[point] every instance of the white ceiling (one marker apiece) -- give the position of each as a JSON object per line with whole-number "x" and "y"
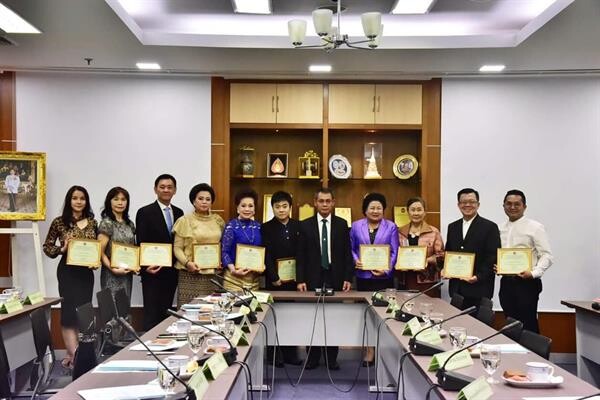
{"x": 77, "y": 29}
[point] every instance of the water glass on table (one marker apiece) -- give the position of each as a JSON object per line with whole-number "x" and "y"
{"x": 195, "y": 338}
{"x": 216, "y": 318}
{"x": 490, "y": 358}
{"x": 436, "y": 318}
{"x": 390, "y": 296}
{"x": 165, "y": 378}
{"x": 227, "y": 328}
{"x": 409, "y": 304}
{"x": 425, "y": 311}
{"x": 457, "y": 335}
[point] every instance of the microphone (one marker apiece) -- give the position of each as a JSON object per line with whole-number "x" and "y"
{"x": 454, "y": 381}
{"x": 250, "y": 292}
{"x": 190, "y": 394}
{"x": 406, "y": 316}
{"x": 251, "y": 314}
{"x": 426, "y": 349}
{"x": 230, "y": 356}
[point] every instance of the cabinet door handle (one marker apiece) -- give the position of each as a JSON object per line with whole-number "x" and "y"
{"x": 277, "y": 104}
{"x": 272, "y": 103}
{"x": 373, "y": 103}
{"x": 378, "y": 103}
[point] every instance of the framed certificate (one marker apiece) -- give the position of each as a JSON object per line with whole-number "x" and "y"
{"x": 375, "y": 256}
{"x": 160, "y": 254}
{"x": 512, "y": 261}
{"x": 286, "y": 269}
{"x": 207, "y": 256}
{"x": 458, "y": 265}
{"x": 412, "y": 258}
{"x": 250, "y": 257}
{"x": 125, "y": 256}
{"x": 84, "y": 253}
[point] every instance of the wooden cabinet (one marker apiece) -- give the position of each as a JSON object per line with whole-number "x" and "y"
{"x": 375, "y": 104}
{"x": 276, "y": 103}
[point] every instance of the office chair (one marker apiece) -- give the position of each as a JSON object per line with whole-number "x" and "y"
{"x": 537, "y": 343}
{"x": 513, "y": 333}
{"x": 85, "y": 357}
{"x": 457, "y": 301}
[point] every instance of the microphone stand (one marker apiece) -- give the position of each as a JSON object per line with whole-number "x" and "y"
{"x": 190, "y": 394}
{"x": 230, "y": 356}
{"x": 406, "y": 316}
{"x": 251, "y": 314}
{"x": 454, "y": 381}
{"x": 248, "y": 291}
{"x": 427, "y": 349}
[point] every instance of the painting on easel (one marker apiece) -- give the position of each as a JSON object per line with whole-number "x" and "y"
{"x": 22, "y": 186}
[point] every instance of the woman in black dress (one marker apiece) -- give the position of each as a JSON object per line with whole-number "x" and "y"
{"x": 75, "y": 284}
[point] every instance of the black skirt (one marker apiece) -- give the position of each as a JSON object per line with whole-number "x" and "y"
{"x": 76, "y": 287}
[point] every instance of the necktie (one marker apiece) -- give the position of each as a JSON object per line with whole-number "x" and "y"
{"x": 324, "y": 246}
{"x": 169, "y": 220}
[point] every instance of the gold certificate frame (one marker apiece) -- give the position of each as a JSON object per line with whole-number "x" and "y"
{"x": 513, "y": 261}
{"x": 411, "y": 258}
{"x": 250, "y": 257}
{"x": 207, "y": 256}
{"x": 84, "y": 253}
{"x": 286, "y": 269}
{"x": 458, "y": 265}
{"x": 160, "y": 254}
{"x": 125, "y": 256}
{"x": 375, "y": 256}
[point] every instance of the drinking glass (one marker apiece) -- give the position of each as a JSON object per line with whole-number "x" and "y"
{"x": 217, "y": 318}
{"x": 490, "y": 358}
{"x": 436, "y": 318}
{"x": 410, "y": 304}
{"x": 225, "y": 302}
{"x": 195, "y": 338}
{"x": 165, "y": 379}
{"x": 425, "y": 310}
{"x": 390, "y": 295}
{"x": 458, "y": 335}
{"x": 228, "y": 328}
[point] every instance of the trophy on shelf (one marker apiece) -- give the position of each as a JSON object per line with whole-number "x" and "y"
{"x": 247, "y": 161}
{"x": 277, "y": 165}
{"x": 372, "y": 160}
{"x": 308, "y": 165}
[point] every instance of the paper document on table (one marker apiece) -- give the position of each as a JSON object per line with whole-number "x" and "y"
{"x": 127, "y": 366}
{"x": 560, "y": 398}
{"x": 512, "y": 348}
{"x": 156, "y": 347}
{"x": 123, "y": 392}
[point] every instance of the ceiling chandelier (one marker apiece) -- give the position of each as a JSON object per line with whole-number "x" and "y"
{"x": 331, "y": 36}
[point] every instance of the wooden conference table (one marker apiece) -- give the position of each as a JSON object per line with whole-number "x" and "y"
{"x": 344, "y": 314}
{"x": 587, "y": 331}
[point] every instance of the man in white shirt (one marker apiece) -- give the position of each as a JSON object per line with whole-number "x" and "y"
{"x": 519, "y": 294}
{"x": 12, "y": 183}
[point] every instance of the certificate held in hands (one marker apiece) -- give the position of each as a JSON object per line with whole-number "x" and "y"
{"x": 286, "y": 269}
{"x": 125, "y": 256}
{"x": 412, "y": 258}
{"x": 458, "y": 265}
{"x": 160, "y": 254}
{"x": 84, "y": 253}
{"x": 375, "y": 256}
{"x": 207, "y": 256}
{"x": 250, "y": 257}
{"x": 513, "y": 261}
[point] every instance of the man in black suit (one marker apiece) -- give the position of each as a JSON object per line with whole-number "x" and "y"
{"x": 154, "y": 224}
{"x": 324, "y": 260}
{"x": 474, "y": 234}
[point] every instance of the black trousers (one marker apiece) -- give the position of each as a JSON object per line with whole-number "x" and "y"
{"x": 12, "y": 201}
{"x": 519, "y": 299}
{"x": 158, "y": 291}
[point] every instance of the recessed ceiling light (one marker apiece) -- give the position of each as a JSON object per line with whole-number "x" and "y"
{"x": 252, "y": 6}
{"x": 10, "y": 22}
{"x": 492, "y": 68}
{"x": 412, "y": 6}
{"x": 148, "y": 65}
{"x": 319, "y": 68}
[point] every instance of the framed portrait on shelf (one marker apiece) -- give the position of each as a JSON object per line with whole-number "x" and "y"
{"x": 277, "y": 165}
{"x": 23, "y": 184}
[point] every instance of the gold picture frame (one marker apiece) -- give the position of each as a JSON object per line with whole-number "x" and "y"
{"x": 22, "y": 198}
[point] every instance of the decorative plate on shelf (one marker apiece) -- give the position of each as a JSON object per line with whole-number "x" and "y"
{"x": 340, "y": 167}
{"x": 405, "y": 166}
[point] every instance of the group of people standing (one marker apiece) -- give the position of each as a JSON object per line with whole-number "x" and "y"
{"x": 326, "y": 252}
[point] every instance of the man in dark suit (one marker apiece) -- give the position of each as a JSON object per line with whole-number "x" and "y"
{"x": 474, "y": 234}
{"x": 324, "y": 260}
{"x": 154, "y": 224}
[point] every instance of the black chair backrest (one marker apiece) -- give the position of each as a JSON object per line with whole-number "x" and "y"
{"x": 85, "y": 358}
{"x": 457, "y": 301}
{"x": 487, "y": 303}
{"x": 513, "y": 333}
{"x": 4, "y": 372}
{"x": 106, "y": 307}
{"x": 485, "y": 315}
{"x": 41, "y": 333}
{"x": 122, "y": 303}
{"x": 86, "y": 319}
{"x": 537, "y": 343}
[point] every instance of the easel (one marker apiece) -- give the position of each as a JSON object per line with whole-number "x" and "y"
{"x": 35, "y": 232}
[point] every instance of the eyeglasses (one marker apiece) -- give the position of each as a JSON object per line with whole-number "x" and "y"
{"x": 468, "y": 202}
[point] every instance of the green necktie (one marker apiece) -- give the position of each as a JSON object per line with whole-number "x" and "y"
{"x": 324, "y": 246}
